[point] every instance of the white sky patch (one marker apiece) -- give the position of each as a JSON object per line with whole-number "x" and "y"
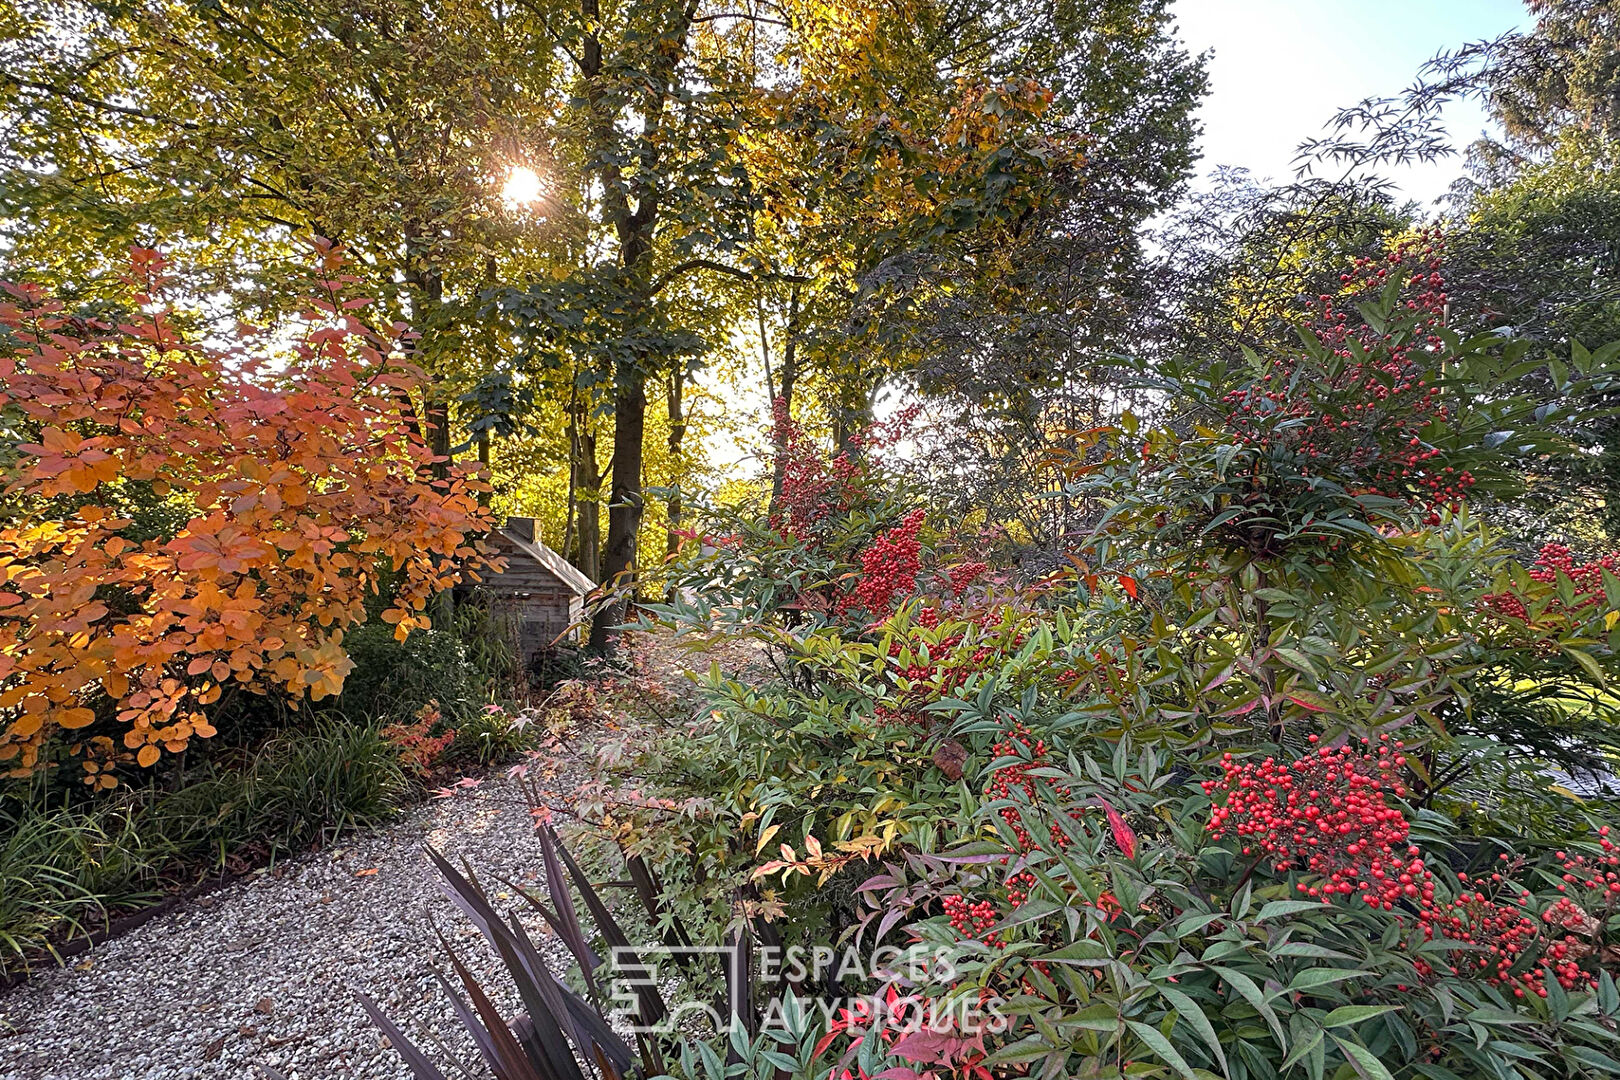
{"x": 1282, "y": 68}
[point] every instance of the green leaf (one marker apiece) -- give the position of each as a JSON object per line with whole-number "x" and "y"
{"x": 1161, "y": 1046}
{"x": 1190, "y": 1012}
{"x": 1363, "y": 1060}
{"x": 1586, "y": 662}
{"x": 1311, "y": 978}
{"x": 1247, "y": 989}
{"x": 1355, "y": 1014}
{"x": 1277, "y": 908}
{"x": 1592, "y": 1058}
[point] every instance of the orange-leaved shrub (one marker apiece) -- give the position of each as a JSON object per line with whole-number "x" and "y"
{"x": 303, "y": 481}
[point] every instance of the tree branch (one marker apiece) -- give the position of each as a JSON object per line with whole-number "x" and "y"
{"x": 96, "y": 103}
{"x": 738, "y": 15}
{"x": 720, "y": 268}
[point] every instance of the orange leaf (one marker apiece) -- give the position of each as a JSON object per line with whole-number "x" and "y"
{"x": 147, "y": 755}
{"x": 76, "y": 718}
{"x": 27, "y": 725}
{"x": 1128, "y": 583}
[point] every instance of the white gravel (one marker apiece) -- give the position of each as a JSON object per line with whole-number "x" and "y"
{"x": 263, "y": 972}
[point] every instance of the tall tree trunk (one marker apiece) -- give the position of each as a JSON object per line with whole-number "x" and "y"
{"x": 790, "y": 376}
{"x": 624, "y": 502}
{"x": 677, "y": 434}
{"x": 586, "y": 481}
{"x": 635, "y": 228}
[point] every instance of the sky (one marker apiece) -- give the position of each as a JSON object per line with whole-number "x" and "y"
{"x": 1281, "y": 68}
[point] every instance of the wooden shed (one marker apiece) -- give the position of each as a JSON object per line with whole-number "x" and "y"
{"x": 539, "y": 590}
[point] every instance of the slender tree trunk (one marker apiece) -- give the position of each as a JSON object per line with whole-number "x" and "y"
{"x": 587, "y": 485}
{"x": 677, "y": 434}
{"x": 624, "y": 503}
{"x": 790, "y": 376}
{"x": 483, "y": 460}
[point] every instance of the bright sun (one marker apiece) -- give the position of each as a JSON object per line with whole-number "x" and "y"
{"x": 523, "y": 187}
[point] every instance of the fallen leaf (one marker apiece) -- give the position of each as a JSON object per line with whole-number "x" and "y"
{"x": 949, "y": 757}
{"x": 265, "y": 1006}
{"x": 366, "y": 873}
{"x": 212, "y": 1050}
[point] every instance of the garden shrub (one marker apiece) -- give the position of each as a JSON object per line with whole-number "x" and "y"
{"x": 395, "y": 680}
{"x": 494, "y": 734}
{"x": 304, "y": 480}
{"x": 304, "y": 787}
{"x": 1255, "y": 783}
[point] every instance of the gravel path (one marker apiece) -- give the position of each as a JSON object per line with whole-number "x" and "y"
{"x": 263, "y": 972}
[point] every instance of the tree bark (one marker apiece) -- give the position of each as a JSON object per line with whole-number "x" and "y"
{"x": 677, "y": 435}
{"x": 624, "y": 504}
{"x": 790, "y": 376}
{"x": 585, "y": 486}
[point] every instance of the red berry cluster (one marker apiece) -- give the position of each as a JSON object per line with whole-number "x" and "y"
{"x": 1502, "y": 931}
{"x": 1367, "y": 417}
{"x": 1556, "y": 561}
{"x": 1326, "y": 814}
{"x": 889, "y": 567}
{"x": 814, "y": 489}
{"x": 950, "y": 663}
{"x": 1017, "y": 742}
{"x": 817, "y": 490}
{"x": 963, "y": 575}
{"x": 972, "y": 918}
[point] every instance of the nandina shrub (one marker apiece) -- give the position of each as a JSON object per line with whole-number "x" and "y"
{"x": 300, "y": 484}
{"x": 1355, "y": 406}
{"x": 1572, "y": 592}
{"x": 1155, "y": 939}
{"x": 1383, "y": 418}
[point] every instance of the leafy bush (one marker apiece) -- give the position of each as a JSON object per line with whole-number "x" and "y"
{"x": 494, "y": 734}
{"x": 395, "y": 680}
{"x": 342, "y": 487}
{"x": 307, "y": 786}
{"x": 1115, "y": 917}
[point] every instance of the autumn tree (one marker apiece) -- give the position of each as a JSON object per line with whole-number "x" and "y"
{"x": 821, "y": 170}
{"x": 298, "y": 484}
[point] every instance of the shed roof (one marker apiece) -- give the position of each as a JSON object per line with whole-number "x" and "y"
{"x": 560, "y": 567}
